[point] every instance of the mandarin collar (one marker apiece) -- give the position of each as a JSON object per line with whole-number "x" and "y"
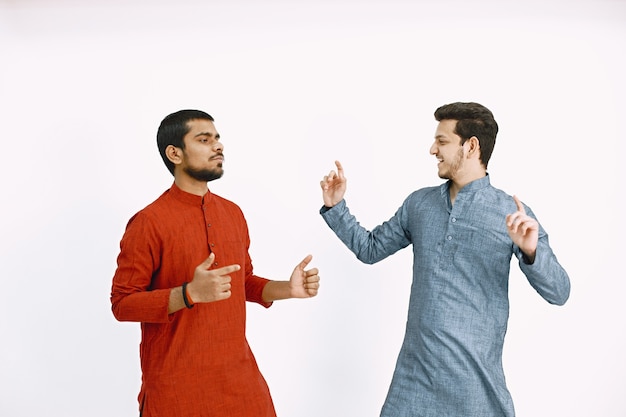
{"x": 188, "y": 198}
{"x": 472, "y": 187}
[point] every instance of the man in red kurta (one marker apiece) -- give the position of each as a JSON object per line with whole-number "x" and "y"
{"x": 184, "y": 272}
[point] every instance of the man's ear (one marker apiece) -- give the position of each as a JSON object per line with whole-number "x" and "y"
{"x": 174, "y": 154}
{"x": 473, "y": 147}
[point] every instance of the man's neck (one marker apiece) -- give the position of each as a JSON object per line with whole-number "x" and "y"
{"x": 191, "y": 186}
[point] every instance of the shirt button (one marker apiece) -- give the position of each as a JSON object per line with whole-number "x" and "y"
{"x": 208, "y": 225}
{"x": 454, "y": 220}
{"x": 449, "y": 237}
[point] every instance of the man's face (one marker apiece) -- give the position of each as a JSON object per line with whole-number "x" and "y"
{"x": 203, "y": 154}
{"x": 448, "y": 150}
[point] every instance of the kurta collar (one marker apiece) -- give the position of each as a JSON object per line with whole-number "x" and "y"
{"x": 472, "y": 187}
{"x": 189, "y": 198}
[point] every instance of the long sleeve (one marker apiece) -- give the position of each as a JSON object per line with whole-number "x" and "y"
{"x": 254, "y": 284}
{"x": 139, "y": 257}
{"x": 368, "y": 246}
{"x": 545, "y": 274}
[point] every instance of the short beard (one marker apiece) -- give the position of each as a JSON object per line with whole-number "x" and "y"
{"x": 205, "y": 174}
{"x": 454, "y": 167}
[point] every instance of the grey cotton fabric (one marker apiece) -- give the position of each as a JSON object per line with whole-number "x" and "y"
{"x": 450, "y": 363}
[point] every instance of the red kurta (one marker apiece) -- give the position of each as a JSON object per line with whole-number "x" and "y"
{"x": 195, "y": 362}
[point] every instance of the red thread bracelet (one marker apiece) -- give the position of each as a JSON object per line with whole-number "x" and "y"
{"x": 186, "y": 298}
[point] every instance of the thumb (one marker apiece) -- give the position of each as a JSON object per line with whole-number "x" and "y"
{"x": 305, "y": 262}
{"x": 208, "y": 262}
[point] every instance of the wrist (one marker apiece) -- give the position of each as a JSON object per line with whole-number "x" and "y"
{"x": 528, "y": 259}
{"x": 186, "y": 297}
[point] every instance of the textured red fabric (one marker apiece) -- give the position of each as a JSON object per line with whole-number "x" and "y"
{"x": 195, "y": 362}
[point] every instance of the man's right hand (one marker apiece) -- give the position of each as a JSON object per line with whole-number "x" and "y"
{"x": 334, "y": 186}
{"x": 210, "y": 285}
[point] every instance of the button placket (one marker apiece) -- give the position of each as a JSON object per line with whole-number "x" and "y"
{"x": 211, "y": 245}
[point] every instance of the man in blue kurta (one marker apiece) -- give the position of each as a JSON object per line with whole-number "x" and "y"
{"x": 463, "y": 233}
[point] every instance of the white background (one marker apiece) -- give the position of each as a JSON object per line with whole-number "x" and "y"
{"x": 294, "y": 86}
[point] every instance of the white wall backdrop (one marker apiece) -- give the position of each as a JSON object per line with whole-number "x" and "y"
{"x": 293, "y": 86}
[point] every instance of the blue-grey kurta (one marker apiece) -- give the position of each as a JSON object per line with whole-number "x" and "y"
{"x": 450, "y": 363}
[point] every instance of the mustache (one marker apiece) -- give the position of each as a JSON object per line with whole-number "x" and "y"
{"x": 218, "y": 155}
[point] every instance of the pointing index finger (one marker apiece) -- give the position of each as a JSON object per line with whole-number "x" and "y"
{"x": 518, "y": 203}
{"x": 225, "y": 270}
{"x": 339, "y": 168}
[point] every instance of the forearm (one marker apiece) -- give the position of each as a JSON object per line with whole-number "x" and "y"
{"x": 176, "y": 300}
{"x": 143, "y": 306}
{"x": 276, "y": 290}
{"x": 547, "y": 276}
{"x": 368, "y": 246}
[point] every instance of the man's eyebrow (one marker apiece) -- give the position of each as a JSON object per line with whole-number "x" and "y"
{"x": 217, "y": 136}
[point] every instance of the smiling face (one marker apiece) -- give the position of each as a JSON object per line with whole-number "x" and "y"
{"x": 459, "y": 163}
{"x": 448, "y": 150}
{"x": 202, "y": 157}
